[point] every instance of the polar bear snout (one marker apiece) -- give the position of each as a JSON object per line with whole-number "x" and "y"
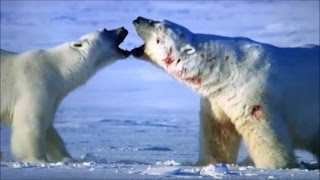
{"x": 142, "y": 20}
{"x": 138, "y": 20}
{"x": 119, "y": 33}
{"x": 104, "y": 30}
{"x": 122, "y": 34}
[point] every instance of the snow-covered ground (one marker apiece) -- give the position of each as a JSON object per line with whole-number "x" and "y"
{"x": 131, "y": 120}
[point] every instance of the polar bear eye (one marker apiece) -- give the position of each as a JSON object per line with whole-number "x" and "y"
{"x": 158, "y": 40}
{"x": 77, "y": 45}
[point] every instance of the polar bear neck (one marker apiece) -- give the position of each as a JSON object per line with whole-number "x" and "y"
{"x": 228, "y": 63}
{"x": 72, "y": 65}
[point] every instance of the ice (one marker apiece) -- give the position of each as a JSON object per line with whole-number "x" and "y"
{"x": 42, "y": 165}
{"x": 89, "y": 164}
{"x": 91, "y": 169}
{"x": 169, "y": 163}
{"x": 272, "y": 177}
{"x": 20, "y": 165}
{"x": 57, "y": 164}
{"x": 250, "y": 174}
{"x": 163, "y": 171}
{"x": 215, "y": 170}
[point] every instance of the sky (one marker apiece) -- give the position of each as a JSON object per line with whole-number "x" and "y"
{"x": 133, "y": 86}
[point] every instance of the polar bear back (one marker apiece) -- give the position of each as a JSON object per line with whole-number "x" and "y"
{"x": 7, "y": 87}
{"x": 293, "y": 89}
{"x": 11, "y": 70}
{"x": 23, "y": 73}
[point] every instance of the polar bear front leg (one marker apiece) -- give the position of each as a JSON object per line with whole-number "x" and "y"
{"x": 28, "y": 131}
{"x": 268, "y": 142}
{"x": 219, "y": 140}
{"x": 56, "y": 150}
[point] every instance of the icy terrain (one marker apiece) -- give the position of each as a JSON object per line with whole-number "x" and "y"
{"x": 132, "y": 120}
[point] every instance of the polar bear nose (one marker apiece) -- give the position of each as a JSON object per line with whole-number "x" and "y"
{"x": 122, "y": 33}
{"x": 103, "y": 30}
{"x": 137, "y": 21}
{"x": 143, "y": 20}
{"x": 120, "y": 30}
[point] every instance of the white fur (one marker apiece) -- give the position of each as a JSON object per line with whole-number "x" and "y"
{"x": 34, "y": 83}
{"x": 267, "y": 95}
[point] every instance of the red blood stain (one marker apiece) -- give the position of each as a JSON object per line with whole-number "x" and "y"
{"x": 257, "y": 111}
{"x": 168, "y": 60}
{"x": 196, "y": 80}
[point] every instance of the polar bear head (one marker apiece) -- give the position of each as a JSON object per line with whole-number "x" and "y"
{"x": 171, "y": 47}
{"x": 100, "y": 48}
{"x": 79, "y": 60}
{"x": 161, "y": 38}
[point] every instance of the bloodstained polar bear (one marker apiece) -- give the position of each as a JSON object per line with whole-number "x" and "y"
{"x": 267, "y": 95}
{"x": 34, "y": 83}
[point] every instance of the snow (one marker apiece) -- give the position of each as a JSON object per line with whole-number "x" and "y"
{"x": 217, "y": 171}
{"x": 131, "y": 120}
{"x": 169, "y": 163}
{"x": 160, "y": 171}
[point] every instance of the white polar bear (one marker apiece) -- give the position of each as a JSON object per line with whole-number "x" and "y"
{"x": 267, "y": 95}
{"x": 34, "y": 83}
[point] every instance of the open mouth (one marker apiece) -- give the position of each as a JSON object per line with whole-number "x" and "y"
{"x": 140, "y": 21}
{"x": 122, "y": 35}
{"x": 138, "y": 51}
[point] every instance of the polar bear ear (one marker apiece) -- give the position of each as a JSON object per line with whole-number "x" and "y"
{"x": 188, "y": 49}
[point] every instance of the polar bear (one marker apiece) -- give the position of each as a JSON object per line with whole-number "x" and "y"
{"x": 266, "y": 95}
{"x": 33, "y": 84}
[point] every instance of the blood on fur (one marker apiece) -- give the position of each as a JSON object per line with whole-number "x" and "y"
{"x": 256, "y": 112}
{"x": 168, "y": 60}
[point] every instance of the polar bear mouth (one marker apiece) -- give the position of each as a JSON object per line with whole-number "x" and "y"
{"x": 122, "y": 35}
{"x": 125, "y": 53}
{"x": 138, "y": 51}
